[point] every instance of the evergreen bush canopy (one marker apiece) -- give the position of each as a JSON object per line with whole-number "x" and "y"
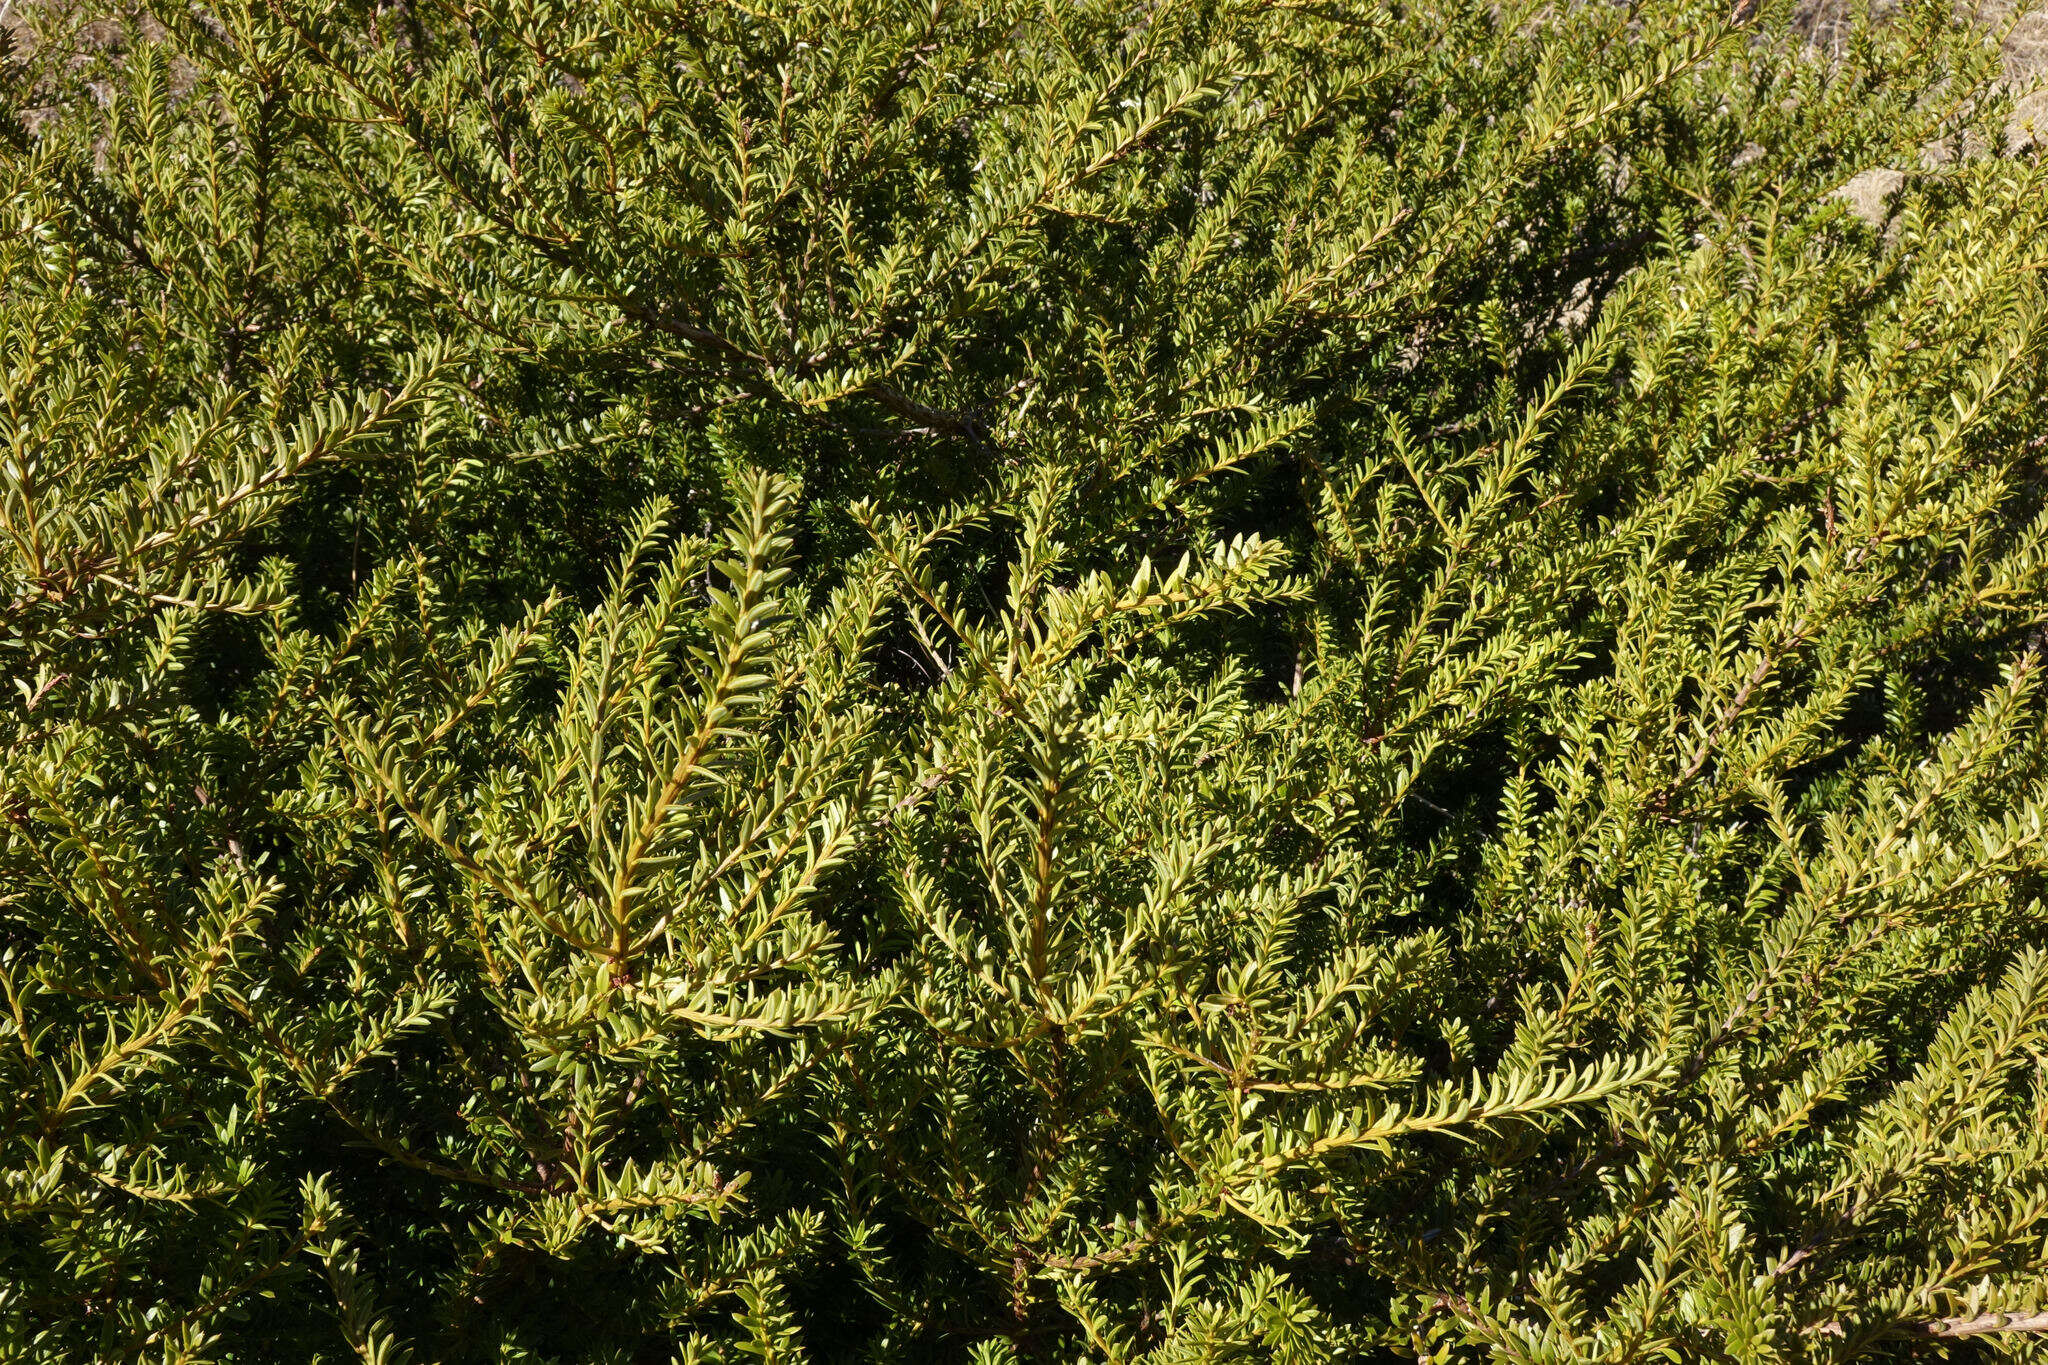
{"x": 1021, "y": 681}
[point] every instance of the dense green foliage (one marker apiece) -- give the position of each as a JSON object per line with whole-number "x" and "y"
{"x": 1019, "y": 681}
